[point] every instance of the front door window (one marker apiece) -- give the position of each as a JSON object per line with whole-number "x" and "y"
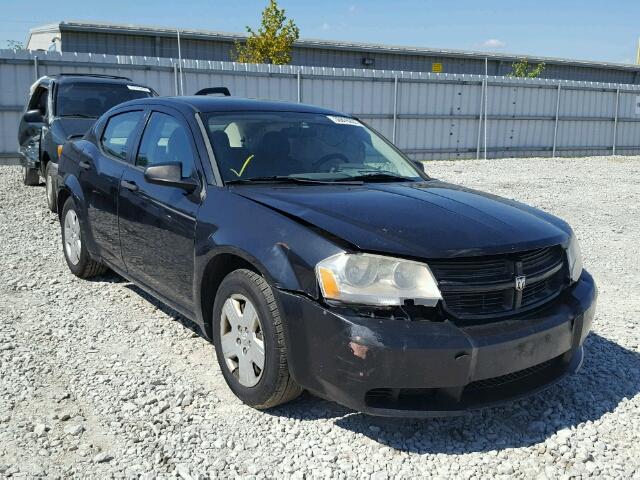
{"x": 165, "y": 140}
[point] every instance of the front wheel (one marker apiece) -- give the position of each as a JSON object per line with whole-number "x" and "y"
{"x": 50, "y": 183}
{"x": 30, "y": 176}
{"x": 249, "y": 341}
{"x": 75, "y": 250}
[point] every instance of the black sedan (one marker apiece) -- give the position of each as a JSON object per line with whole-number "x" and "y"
{"x": 314, "y": 255}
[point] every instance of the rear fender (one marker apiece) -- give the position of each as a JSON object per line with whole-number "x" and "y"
{"x": 69, "y": 186}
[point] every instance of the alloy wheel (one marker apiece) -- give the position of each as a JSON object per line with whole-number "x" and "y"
{"x": 72, "y": 241}
{"x": 242, "y": 340}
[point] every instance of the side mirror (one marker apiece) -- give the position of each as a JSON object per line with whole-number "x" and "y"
{"x": 33, "y": 116}
{"x": 169, "y": 174}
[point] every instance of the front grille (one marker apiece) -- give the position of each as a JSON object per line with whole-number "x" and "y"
{"x": 479, "y": 287}
{"x": 541, "y": 290}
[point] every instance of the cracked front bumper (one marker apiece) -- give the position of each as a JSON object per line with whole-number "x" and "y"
{"x": 423, "y": 368}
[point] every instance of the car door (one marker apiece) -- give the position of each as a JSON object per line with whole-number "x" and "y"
{"x": 99, "y": 173}
{"x": 29, "y": 134}
{"x": 157, "y": 222}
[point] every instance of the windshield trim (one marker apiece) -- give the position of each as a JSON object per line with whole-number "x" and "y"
{"x": 421, "y": 173}
{"x": 217, "y": 177}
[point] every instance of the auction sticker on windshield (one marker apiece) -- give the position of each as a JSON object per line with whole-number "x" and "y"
{"x": 344, "y": 120}
{"x": 138, "y": 89}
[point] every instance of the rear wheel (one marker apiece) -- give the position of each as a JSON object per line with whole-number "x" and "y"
{"x": 249, "y": 341}
{"x": 50, "y": 183}
{"x": 30, "y": 176}
{"x": 75, "y": 250}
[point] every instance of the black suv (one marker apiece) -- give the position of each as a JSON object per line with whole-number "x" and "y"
{"x": 315, "y": 255}
{"x": 63, "y": 106}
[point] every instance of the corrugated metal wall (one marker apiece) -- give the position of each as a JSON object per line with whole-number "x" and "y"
{"x": 220, "y": 49}
{"x": 429, "y": 116}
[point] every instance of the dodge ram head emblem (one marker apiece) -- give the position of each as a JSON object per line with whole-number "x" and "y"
{"x": 521, "y": 281}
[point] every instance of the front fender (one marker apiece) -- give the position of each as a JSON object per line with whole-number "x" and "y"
{"x": 285, "y": 273}
{"x": 51, "y": 138}
{"x": 282, "y": 249}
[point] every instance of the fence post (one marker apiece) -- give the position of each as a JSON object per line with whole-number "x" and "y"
{"x": 555, "y": 127}
{"x": 35, "y": 67}
{"x": 486, "y": 102}
{"x": 175, "y": 78}
{"x": 395, "y": 108}
{"x": 486, "y": 107}
{"x": 480, "y": 118}
{"x": 615, "y": 121}
{"x": 180, "y": 62}
{"x": 299, "y": 84}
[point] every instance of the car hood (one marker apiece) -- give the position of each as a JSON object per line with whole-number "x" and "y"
{"x": 429, "y": 219}
{"x": 66, "y": 126}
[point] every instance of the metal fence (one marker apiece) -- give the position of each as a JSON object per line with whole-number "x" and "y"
{"x": 429, "y": 116}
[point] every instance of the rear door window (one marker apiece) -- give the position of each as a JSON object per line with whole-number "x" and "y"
{"x": 119, "y": 132}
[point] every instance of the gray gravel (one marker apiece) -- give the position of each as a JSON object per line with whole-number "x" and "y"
{"x": 99, "y": 380}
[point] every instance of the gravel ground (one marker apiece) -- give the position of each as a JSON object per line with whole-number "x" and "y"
{"x": 99, "y": 380}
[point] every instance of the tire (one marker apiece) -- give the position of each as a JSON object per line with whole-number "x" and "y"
{"x": 75, "y": 251}
{"x": 260, "y": 388}
{"x": 30, "y": 176}
{"x": 51, "y": 188}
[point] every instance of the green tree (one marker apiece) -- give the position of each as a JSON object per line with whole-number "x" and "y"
{"x": 15, "y": 45}
{"x": 522, "y": 69}
{"x": 272, "y": 42}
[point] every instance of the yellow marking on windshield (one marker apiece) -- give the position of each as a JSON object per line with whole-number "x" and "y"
{"x": 244, "y": 165}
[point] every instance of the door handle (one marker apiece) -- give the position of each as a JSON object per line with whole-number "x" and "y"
{"x": 129, "y": 185}
{"x": 84, "y": 165}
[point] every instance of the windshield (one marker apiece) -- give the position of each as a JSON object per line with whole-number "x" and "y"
{"x": 93, "y": 99}
{"x": 277, "y": 145}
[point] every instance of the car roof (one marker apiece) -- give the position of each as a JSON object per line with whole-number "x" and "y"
{"x": 206, "y": 104}
{"x": 71, "y": 78}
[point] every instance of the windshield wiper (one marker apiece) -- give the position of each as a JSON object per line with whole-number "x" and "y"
{"x": 287, "y": 179}
{"x": 381, "y": 177}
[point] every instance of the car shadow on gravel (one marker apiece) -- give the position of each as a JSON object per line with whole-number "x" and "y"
{"x": 610, "y": 375}
{"x": 170, "y": 312}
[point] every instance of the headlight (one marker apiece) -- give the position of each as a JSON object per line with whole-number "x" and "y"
{"x": 376, "y": 280}
{"x": 574, "y": 256}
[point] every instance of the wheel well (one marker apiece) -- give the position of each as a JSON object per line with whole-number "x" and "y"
{"x": 62, "y": 198}
{"x": 43, "y": 163}
{"x": 218, "y": 268}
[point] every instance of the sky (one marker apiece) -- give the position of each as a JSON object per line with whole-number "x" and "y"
{"x": 587, "y": 29}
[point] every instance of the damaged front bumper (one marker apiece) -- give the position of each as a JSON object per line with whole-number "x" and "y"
{"x": 424, "y": 368}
